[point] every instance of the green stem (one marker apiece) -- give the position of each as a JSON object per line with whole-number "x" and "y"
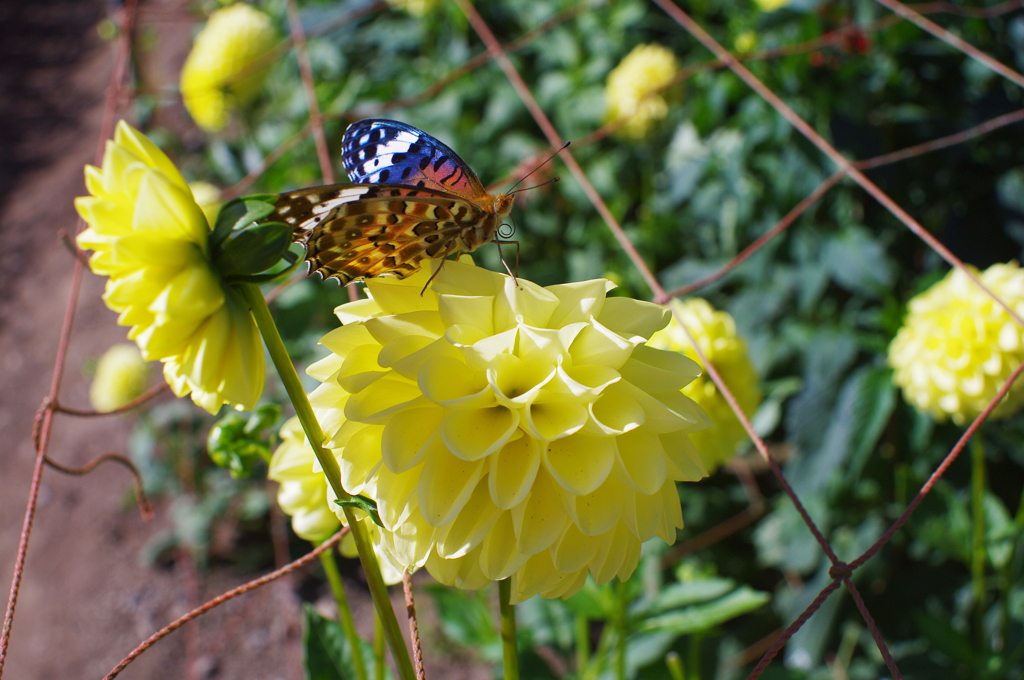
{"x": 378, "y": 648}
{"x": 1008, "y": 573}
{"x": 620, "y": 630}
{"x": 355, "y": 643}
{"x": 315, "y": 436}
{"x": 582, "y": 643}
{"x": 978, "y": 549}
{"x": 675, "y": 666}
{"x": 510, "y": 652}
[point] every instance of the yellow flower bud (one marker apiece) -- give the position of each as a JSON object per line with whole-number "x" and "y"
{"x": 152, "y": 240}
{"x": 631, "y": 86}
{"x": 509, "y": 430}
{"x": 715, "y": 332}
{"x": 745, "y": 41}
{"x": 957, "y": 346}
{"x": 221, "y": 72}
{"x": 120, "y": 377}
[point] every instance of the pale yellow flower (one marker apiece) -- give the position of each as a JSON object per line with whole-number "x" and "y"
{"x": 745, "y": 41}
{"x": 152, "y": 240}
{"x": 208, "y": 197}
{"x": 414, "y": 7}
{"x": 771, "y": 5}
{"x": 302, "y": 493}
{"x": 715, "y": 332}
{"x": 631, "y": 86}
{"x": 305, "y": 496}
{"x": 509, "y": 430}
{"x": 221, "y": 72}
{"x": 120, "y": 377}
{"x": 957, "y": 346}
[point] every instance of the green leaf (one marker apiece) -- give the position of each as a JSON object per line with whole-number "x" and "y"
{"x": 326, "y": 652}
{"x": 239, "y": 213}
{"x": 254, "y": 249}
{"x": 367, "y": 505}
{"x": 688, "y": 593}
{"x": 466, "y": 619}
{"x": 945, "y": 639}
{"x": 702, "y": 617}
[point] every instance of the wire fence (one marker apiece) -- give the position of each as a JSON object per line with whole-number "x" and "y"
{"x": 118, "y": 95}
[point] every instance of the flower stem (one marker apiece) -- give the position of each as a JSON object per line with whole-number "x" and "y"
{"x": 620, "y": 630}
{"x": 355, "y": 643}
{"x": 509, "y": 650}
{"x": 582, "y": 643}
{"x": 978, "y": 550}
{"x": 315, "y": 436}
{"x": 378, "y": 648}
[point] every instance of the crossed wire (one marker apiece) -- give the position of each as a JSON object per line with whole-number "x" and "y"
{"x": 840, "y": 572}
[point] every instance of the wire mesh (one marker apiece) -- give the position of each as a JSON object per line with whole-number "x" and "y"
{"x": 840, "y": 572}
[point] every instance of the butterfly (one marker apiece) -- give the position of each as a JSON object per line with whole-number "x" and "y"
{"x": 412, "y": 198}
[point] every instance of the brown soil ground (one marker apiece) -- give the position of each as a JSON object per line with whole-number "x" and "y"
{"x": 87, "y": 598}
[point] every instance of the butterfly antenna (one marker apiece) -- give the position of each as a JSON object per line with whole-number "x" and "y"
{"x": 537, "y": 186}
{"x": 512, "y": 190}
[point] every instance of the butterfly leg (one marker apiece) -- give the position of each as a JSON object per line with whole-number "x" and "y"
{"x": 444, "y": 258}
{"x": 498, "y": 243}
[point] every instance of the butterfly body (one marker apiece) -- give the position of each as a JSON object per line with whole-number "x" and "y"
{"x": 413, "y": 199}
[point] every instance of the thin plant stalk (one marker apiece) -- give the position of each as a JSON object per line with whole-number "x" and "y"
{"x": 348, "y": 624}
{"x": 1008, "y": 573}
{"x": 620, "y": 630}
{"x": 510, "y": 652}
{"x": 978, "y": 484}
{"x": 582, "y": 643}
{"x": 378, "y": 648}
{"x": 315, "y": 436}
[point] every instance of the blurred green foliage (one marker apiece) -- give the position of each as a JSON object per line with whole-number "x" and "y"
{"x": 817, "y": 306}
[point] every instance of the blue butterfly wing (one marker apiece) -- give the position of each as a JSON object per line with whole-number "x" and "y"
{"x": 381, "y": 151}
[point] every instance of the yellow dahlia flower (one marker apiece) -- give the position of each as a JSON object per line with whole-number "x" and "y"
{"x": 152, "y": 240}
{"x": 416, "y": 8}
{"x": 509, "y": 430}
{"x": 305, "y": 496}
{"x": 715, "y": 332}
{"x": 219, "y": 73}
{"x": 302, "y": 493}
{"x": 120, "y": 377}
{"x": 957, "y": 346}
{"x": 631, "y": 84}
{"x": 771, "y": 5}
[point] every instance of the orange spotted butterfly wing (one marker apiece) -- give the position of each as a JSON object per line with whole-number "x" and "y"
{"x": 414, "y": 198}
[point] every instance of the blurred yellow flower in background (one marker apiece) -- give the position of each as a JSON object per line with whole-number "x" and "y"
{"x": 221, "y": 72}
{"x": 305, "y": 496}
{"x": 152, "y": 240}
{"x": 958, "y": 346}
{"x": 509, "y": 430}
{"x": 120, "y": 377}
{"x": 302, "y": 493}
{"x": 417, "y": 8}
{"x": 631, "y": 86}
{"x": 715, "y": 332}
{"x": 208, "y": 198}
{"x": 771, "y": 5}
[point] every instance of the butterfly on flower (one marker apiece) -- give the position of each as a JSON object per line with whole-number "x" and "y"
{"x": 413, "y": 199}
